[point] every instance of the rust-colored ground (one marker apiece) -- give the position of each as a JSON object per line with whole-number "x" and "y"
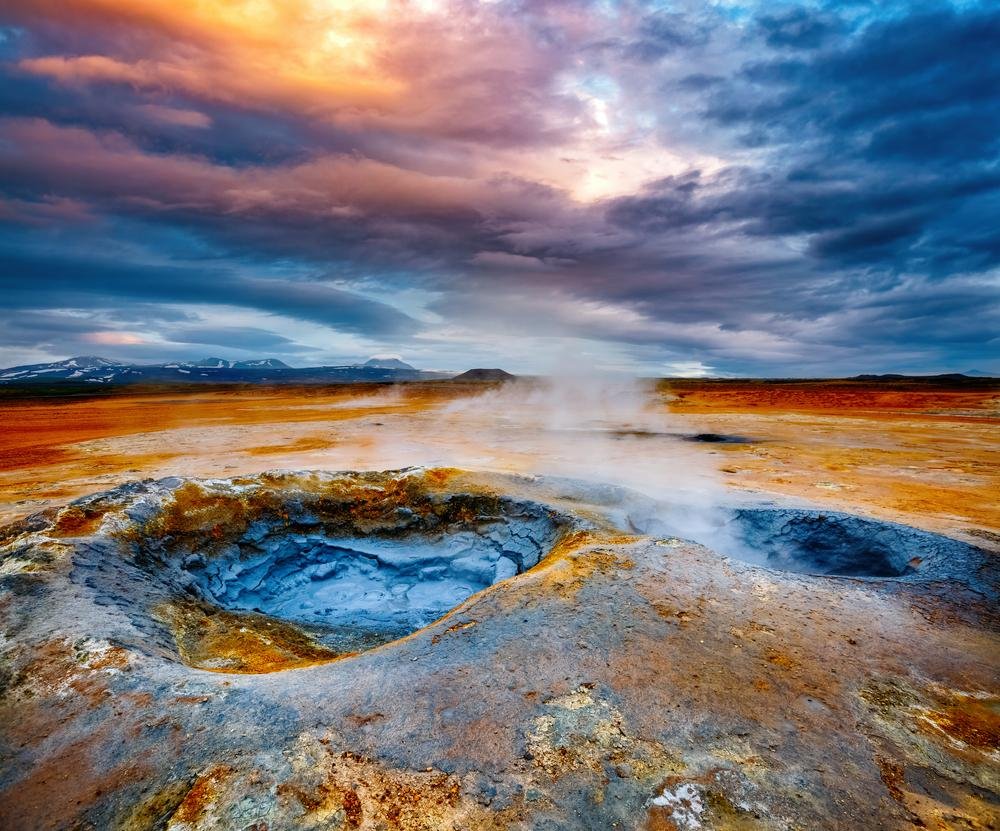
{"x": 924, "y": 454}
{"x": 927, "y": 456}
{"x": 52, "y": 451}
{"x": 626, "y": 682}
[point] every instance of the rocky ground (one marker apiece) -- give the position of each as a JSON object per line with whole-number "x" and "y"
{"x": 626, "y": 681}
{"x": 826, "y": 660}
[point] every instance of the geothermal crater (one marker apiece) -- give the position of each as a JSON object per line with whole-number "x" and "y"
{"x": 823, "y": 543}
{"x": 373, "y": 581}
{"x": 839, "y": 544}
{"x": 343, "y": 561}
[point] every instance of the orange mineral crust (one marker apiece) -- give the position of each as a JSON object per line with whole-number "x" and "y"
{"x": 904, "y": 451}
{"x": 927, "y": 454}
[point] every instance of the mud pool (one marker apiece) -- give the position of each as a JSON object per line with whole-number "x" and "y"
{"x": 402, "y": 573}
{"x": 839, "y": 544}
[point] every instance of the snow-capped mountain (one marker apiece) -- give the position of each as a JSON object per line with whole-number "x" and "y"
{"x": 260, "y": 363}
{"x": 385, "y": 362}
{"x": 88, "y": 361}
{"x": 222, "y": 363}
{"x": 95, "y": 370}
{"x": 83, "y": 366}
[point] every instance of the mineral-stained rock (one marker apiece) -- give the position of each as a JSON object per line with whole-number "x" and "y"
{"x": 434, "y": 649}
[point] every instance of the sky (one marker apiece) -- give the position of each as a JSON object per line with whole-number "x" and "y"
{"x": 661, "y": 188}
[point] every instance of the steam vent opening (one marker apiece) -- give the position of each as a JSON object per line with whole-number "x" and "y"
{"x": 838, "y": 544}
{"x": 343, "y": 564}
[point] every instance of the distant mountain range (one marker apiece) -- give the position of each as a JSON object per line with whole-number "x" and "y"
{"x": 222, "y": 363}
{"x": 90, "y": 369}
{"x": 947, "y": 377}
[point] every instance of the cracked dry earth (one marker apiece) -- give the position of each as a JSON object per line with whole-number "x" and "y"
{"x": 519, "y": 653}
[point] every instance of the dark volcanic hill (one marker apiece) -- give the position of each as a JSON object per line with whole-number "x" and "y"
{"x": 975, "y": 379}
{"x": 485, "y": 375}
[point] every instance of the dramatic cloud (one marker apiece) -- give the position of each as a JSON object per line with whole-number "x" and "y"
{"x": 807, "y": 188}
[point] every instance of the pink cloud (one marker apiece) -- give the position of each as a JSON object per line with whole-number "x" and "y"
{"x": 113, "y": 338}
{"x": 413, "y": 68}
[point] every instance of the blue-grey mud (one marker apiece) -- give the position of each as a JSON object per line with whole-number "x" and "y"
{"x": 445, "y": 649}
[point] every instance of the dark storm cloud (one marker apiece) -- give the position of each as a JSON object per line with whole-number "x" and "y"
{"x": 798, "y": 28}
{"x": 175, "y": 124}
{"x": 247, "y": 338}
{"x": 926, "y": 72}
{"x": 27, "y": 328}
{"x": 663, "y": 33}
{"x": 881, "y": 150}
{"x": 30, "y": 280}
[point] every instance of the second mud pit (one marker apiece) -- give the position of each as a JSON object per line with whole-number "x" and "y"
{"x": 275, "y": 572}
{"x": 821, "y": 543}
{"x": 842, "y": 545}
